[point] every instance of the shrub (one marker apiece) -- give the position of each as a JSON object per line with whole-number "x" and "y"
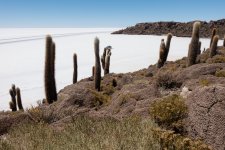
{"x": 170, "y": 140}
{"x": 216, "y": 59}
{"x": 220, "y": 73}
{"x": 169, "y": 112}
{"x": 204, "y": 82}
{"x": 39, "y": 114}
{"x": 166, "y": 80}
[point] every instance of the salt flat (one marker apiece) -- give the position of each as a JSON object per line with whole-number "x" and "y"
{"x": 22, "y": 56}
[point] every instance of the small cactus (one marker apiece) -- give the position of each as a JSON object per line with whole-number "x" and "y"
{"x": 162, "y": 53}
{"x": 103, "y": 59}
{"x": 213, "y": 47}
{"x": 74, "y": 68}
{"x": 224, "y": 41}
{"x": 97, "y": 76}
{"x": 12, "y": 103}
{"x": 107, "y": 61}
{"x": 18, "y": 98}
{"x": 212, "y": 36}
{"x": 50, "y": 89}
{"x": 194, "y": 45}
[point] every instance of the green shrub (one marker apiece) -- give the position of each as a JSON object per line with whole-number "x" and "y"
{"x": 169, "y": 112}
{"x": 220, "y": 73}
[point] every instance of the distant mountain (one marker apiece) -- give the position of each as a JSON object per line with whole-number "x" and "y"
{"x": 180, "y": 29}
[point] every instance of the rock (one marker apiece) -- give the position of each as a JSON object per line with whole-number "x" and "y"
{"x": 206, "y": 115}
{"x": 176, "y": 28}
{"x": 185, "y": 92}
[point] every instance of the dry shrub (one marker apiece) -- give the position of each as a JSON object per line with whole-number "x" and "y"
{"x": 166, "y": 80}
{"x": 171, "y": 141}
{"x": 169, "y": 112}
{"x": 220, "y": 73}
{"x": 216, "y": 59}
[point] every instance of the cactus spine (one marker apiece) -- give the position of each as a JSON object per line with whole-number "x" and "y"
{"x": 49, "y": 78}
{"x": 18, "y": 98}
{"x": 107, "y": 61}
{"x": 162, "y": 53}
{"x": 194, "y": 45}
{"x": 12, "y": 103}
{"x": 74, "y": 68}
{"x": 212, "y": 36}
{"x": 97, "y": 76}
{"x": 213, "y": 47}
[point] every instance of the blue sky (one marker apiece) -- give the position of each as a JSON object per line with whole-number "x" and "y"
{"x": 105, "y": 13}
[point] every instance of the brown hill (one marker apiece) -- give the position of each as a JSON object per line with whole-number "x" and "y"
{"x": 179, "y": 29}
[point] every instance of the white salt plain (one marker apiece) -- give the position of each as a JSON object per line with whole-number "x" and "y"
{"x": 22, "y": 56}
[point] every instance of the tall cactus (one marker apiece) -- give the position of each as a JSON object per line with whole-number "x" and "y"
{"x": 12, "y": 103}
{"x": 194, "y": 45}
{"x": 168, "y": 41}
{"x": 54, "y": 96}
{"x": 162, "y": 53}
{"x": 18, "y": 98}
{"x": 97, "y": 77}
{"x": 74, "y": 68}
{"x": 107, "y": 61}
{"x": 49, "y": 78}
{"x": 212, "y": 36}
{"x": 213, "y": 47}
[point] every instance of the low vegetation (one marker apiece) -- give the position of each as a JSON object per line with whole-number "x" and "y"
{"x": 169, "y": 112}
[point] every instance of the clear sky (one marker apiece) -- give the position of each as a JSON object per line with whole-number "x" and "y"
{"x": 105, "y": 13}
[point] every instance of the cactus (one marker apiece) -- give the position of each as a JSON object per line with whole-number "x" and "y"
{"x": 103, "y": 59}
{"x": 49, "y": 79}
{"x": 12, "y": 104}
{"x": 54, "y": 91}
{"x": 93, "y": 71}
{"x": 199, "y": 48}
{"x": 224, "y": 41}
{"x": 18, "y": 98}
{"x": 74, "y": 68}
{"x": 107, "y": 61}
{"x": 212, "y": 36}
{"x": 97, "y": 76}
{"x": 194, "y": 45}
{"x": 169, "y": 37}
{"x": 213, "y": 47}
{"x": 162, "y": 53}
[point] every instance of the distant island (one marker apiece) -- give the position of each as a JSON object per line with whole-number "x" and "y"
{"x": 180, "y": 29}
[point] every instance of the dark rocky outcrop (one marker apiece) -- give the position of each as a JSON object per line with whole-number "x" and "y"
{"x": 179, "y": 29}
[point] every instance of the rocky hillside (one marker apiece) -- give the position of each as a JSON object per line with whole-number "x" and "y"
{"x": 202, "y": 87}
{"x": 179, "y": 29}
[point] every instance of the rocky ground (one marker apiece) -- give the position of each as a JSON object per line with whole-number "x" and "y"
{"x": 122, "y": 95}
{"x": 179, "y": 29}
